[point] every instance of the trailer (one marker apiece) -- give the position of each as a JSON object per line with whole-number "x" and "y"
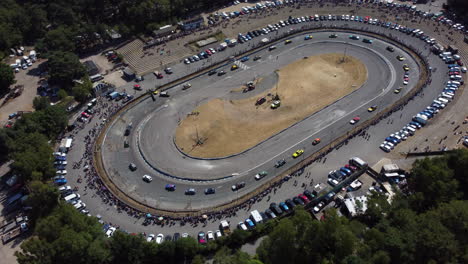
{"x": 256, "y": 217}
{"x": 14, "y": 198}
{"x": 8, "y": 226}
{"x": 7, "y": 237}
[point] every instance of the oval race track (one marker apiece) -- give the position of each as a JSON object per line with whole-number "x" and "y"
{"x": 153, "y": 150}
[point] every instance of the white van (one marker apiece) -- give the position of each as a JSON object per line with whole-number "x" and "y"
{"x": 455, "y": 77}
{"x": 454, "y": 82}
{"x": 447, "y": 96}
{"x": 72, "y": 197}
{"x": 410, "y": 130}
{"x": 443, "y": 100}
{"x": 445, "y": 54}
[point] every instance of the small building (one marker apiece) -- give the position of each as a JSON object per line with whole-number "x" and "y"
{"x": 356, "y": 205}
{"x": 91, "y": 67}
{"x": 128, "y": 73}
{"x": 192, "y": 23}
{"x": 164, "y": 31}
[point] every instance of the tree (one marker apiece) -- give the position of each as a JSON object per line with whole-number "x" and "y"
{"x": 64, "y": 67}
{"x": 7, "y": 78}
{"x": 65, "y": 236}
{"x": 62, "y": 94}
{"x": 81, "y": 92}
{"x": 32, "y": 156}
{"x": 60, "y": 39}
{"x": 41, "y": 103}
{"x": 126, "y": 249}
{"x": 460, "y": 7}
{"x": 5, "y": 142}
{"x": 227, "y": 256}
{"x": 433, "y": 182}
{"x": 43, "y": 199}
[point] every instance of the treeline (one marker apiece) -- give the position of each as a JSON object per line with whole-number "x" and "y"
{"x": 426, "y": 224}
{"x": 60, "y": 29}
{"x": 63, "y": 24}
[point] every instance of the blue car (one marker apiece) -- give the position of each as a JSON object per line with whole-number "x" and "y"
{"x": 452, "y": 65}
{"x": 170, "y": 187}
{"x": 427, "y": 113}
{"x": 283, "y": 206}
{"x": 249, "y": 223}
{"x": 60, "y": 181}
{"x": 450, "y": 90}
{"x": 244, "y": 59}
{"x": 391, "y": 139}
{"x": 61, "y": 158}
{"x": 346, "y": 170}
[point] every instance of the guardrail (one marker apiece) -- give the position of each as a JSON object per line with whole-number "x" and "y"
{"x": 125, "y": 198}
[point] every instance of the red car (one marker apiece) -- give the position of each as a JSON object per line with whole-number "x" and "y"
{"x": 208, "y": 52}
{"x": 454, "y": 73}
{"x": 158, "y": 75}
{"x": 352, "y": 168}
{"x": 260, "y": 101}
{"x": 84, "y": 114}
{"x": 137, "y": 87}
{"x": 406, "y": 78}
{"x": 304, "y": 198}
{"x": 354, "y": 120}
{"x": 459, "y": 62}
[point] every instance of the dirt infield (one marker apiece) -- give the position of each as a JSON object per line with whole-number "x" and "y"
{"x": 225, "y": 127}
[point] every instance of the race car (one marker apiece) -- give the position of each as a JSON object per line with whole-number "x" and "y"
{"x": 298, "y": 153}
{"x": 354, "y": 120}
{"x": 316, "y": 141}
{"x": 372, "y": 108}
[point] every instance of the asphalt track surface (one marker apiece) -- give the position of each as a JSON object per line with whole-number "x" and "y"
{"x": 151, "y": 142}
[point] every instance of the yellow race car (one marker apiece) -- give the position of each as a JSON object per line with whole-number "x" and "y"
{"x": 372, "y": 108}
{"x": 298, "y": 153}
{"x": 400, "y": 58}
{"x": 234, "y": 67}
{"x": 288, "y": 41}
{"x": 405, "y": 67}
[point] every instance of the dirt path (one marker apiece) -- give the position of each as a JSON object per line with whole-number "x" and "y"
{"x": 227, "y": 127}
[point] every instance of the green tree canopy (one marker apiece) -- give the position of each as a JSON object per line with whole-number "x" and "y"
{"x": 7, "y": 78}
{"x": 64, "y": 67}
{"x": 81, "y": 92}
